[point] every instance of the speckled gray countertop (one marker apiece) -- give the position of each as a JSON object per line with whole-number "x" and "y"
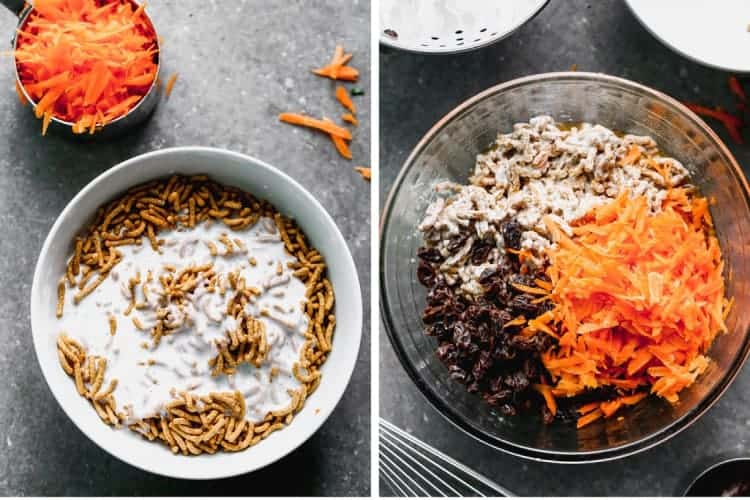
{"x": 416, "y": 91}
{"x": 240, "y": 64}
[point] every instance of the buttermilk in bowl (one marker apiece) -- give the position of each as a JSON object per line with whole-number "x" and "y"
{"x": 194, "y": 314}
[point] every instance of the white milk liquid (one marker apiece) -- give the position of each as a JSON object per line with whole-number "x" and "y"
{"x": 181, "y": 358}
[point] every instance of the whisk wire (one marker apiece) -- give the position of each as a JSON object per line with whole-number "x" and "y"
{"x": 414, "y": 468}
{"x": 393, "y": 443}
{"x": 406, "y": 478}
{"x": 393, "y": 480}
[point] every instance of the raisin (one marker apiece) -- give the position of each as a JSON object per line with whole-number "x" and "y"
{"x": 457, "y": 242}
{"x": 508, "y": 410}
{"x": 473, "y": 388}
{"x": 517, "y": 381}
{"x": 499, "y": 397}
{"x": 447, "y": 353}
{"x": 480, "y": 251}
{"x": 512, "y": 234}
{"x": 488, "y": 275}
{"x": 461, "y": 336}
{"x": 491, "y": 360}
{"x": 426, "y": 274}
{"x": 429, "y": 254}
{"x": 522, "y": 304}
{"x": 503, "y": 352}
{"x": 457, "y": 373}
{"x": 433, "y": 313}
{"x": 483, "y": 364}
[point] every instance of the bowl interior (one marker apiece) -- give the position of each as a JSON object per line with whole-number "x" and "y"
{"x": 264, "y": 182}
{"x": 448, "y": 153}
{"x": 136, "y": 115}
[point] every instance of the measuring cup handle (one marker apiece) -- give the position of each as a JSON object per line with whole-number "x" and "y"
{"x": 15, "y": 6}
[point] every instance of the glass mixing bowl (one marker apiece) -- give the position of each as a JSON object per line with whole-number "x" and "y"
{"x": 448, "y": 152}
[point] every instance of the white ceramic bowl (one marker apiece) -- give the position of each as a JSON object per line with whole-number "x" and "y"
{"x": 264, "y": 182}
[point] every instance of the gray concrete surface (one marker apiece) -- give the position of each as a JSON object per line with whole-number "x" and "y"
{"x": 416, "y": 91}
{"x": 240, "y": 64}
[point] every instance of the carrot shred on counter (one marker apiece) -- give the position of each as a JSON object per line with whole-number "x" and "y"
{"x": 341, "y": 146}
{"x": 337, "y": 69}
{"x": 364, "y": 172}
{"x": 736, "y": 88}
{"x": 350, "y": 118}
{"x": 46, "y": 121}
{"x": 324, "y": 126}
{"x": 86, "y": 61}
{"x": 170, "y": 84}
{"x": 343, "y": 97}
{"x": 345, "y": 73}
{"x": 638, "y": 298}
{"x": 732, "y": 123}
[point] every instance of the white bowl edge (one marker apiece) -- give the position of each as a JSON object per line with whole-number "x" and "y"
{"x": 263, "y": 181}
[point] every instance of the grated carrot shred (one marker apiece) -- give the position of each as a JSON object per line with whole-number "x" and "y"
{"x": 341, "y": 146}
{"x": 546, "y": 285}
{"x": 46, "y": 121}
{"x": 587, "y": 408}
{"x": 81, "y": 60}
{"x": 523, "y": 254}
{"x": 639, "y": 312}
{"x": 337, "y": 69}
{"x": 342, "y": 95}
{"x": 515, "y": 322}
{"x": 350, "y": 118}
{"x": 549, "y": 398}
{"x": 589, "y": 418}
{"x": 731, "y": 123}
{"x": 609, "y": 408}
{"x": 632, "y": 156}
{"x": 365, "y": 172}
{"x": 530, "y": 289}
{"x": 324, "y": 126}
{"x": 170, "y": 84}
{"x": 736, "y": 88}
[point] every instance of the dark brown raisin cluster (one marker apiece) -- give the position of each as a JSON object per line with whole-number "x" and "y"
{"x": 491, "y": 359}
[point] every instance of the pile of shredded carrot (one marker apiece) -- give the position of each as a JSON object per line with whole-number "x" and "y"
{"x": 638, "y": 300}
{"x": 340, "y": 136}
{"x": 86, "y": 61}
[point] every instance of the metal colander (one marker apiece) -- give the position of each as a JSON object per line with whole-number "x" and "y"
{"x": 451, "y": 26}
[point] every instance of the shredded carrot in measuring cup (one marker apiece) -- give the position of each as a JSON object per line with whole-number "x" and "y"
{"x": 88, "y": 62}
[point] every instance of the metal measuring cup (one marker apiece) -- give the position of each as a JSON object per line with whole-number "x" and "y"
{"x": 137, "y": 114}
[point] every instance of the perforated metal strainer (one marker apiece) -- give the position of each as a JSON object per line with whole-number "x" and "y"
{"x": 451, "y": 26}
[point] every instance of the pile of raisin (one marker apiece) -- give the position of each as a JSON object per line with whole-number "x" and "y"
{"x": 492, "y": 360}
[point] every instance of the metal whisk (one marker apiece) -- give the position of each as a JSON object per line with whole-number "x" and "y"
{"x": 412, "y": 468}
